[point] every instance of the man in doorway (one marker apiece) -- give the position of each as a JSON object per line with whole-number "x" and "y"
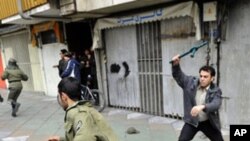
{"x": 62, "y": 63}
{"x": 82, "y": 121}
{"x": 202, "y": 100}
{"x": 73, "y": 67}
{"x": 88, "y": 70}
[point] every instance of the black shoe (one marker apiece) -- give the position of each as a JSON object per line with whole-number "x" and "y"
{"x": 17, "y": 107}
{"x": 1, "y": 98}
{"x": 13, "y": 114}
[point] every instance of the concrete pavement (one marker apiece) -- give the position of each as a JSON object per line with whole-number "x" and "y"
{"x": 40, "y": 117}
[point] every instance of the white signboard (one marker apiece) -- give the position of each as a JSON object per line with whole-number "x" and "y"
{"x": 210, "y": 11}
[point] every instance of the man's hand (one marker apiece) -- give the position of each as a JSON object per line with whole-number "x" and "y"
{"x": 54, "y": 138}
{"x": 176, "y": 59}
{"x": 55, "y": 66}
{"x": 196, "y": 110}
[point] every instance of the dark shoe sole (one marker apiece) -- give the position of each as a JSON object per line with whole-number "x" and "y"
{"x": 13, "y": 114}
{"x": 15, "y": 110}
{"x": 1, "y": 99}
{"x": 17, "y": 107}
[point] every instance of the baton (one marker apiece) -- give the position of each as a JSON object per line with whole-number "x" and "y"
{"x": 192, "y": 51}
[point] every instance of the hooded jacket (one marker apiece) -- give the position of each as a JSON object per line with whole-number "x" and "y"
{"x": 72, "y": 69}
{"x": 213, "y": 98}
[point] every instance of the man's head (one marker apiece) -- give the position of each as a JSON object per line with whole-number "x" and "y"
{"x": 207, "y": 74}
{"x": 69, "y": 90}
{"x": 67, "y": 55}
{"x": 12, "y": 61}
{"x": 86, "y": 52}
{"x": 12, "y": 64}
{"x": 63, "y": 51}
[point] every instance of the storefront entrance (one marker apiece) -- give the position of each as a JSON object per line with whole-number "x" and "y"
{"x": 79, "y": 41}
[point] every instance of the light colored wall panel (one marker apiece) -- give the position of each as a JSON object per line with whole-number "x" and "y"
{"x": 120, "y": 47}
{"x": 50, "y": 56}
{"x": 173, "y": 44}
{"x": 235, "y": 65}
{"x": 16, "y": 45}
{"x": 37, "y": 70}
{"x": 88, "y": 5}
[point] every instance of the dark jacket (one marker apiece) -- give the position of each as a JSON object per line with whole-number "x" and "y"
{"x": 213, "y": 99}
{"x": 61, "y": 66}
{"x": 72, "y": 69}
{"x": 14, "y": 76}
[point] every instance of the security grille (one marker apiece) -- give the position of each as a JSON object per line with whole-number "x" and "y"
{"x": 150, "y": 68}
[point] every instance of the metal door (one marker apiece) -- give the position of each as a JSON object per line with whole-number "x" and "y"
{"x": 16, "y": 45}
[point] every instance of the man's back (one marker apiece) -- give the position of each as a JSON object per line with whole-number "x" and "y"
{"x": 72, "y": 69}
{"x": 14, "y": 75}
{"x": 83, "y": 122}
{"x": 62, "y": 65}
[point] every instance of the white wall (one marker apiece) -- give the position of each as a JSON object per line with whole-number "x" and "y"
{"x": 120, "y": 47}
{"x": 235, "y": 65}
{"x": 88, "y": 5}
{"x": 173, "y": 94}
{"x": 50, "y": 57}
{"x": 36, "y": 67}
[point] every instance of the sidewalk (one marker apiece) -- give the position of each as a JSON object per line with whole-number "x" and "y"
{"x": 40, "y": 117}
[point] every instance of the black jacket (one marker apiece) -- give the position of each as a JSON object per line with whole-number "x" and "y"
{"x": 213, "y": 99}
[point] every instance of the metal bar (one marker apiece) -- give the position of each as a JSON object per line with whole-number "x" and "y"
{"x": 157, "y": 94}
{"x": 145, "y": 68}
{"x": 160, "y": 87}
{"x": 142, "y": 83}
{"x": 154, "y": 68}
{"x": 151, "y": 63}
{"x": 147, "y": 35}
{"x": 148, "y": 69}
{"x": 192, "y": 50}
{"x": 150, "y": 59}
{"x": 139, "y": 65}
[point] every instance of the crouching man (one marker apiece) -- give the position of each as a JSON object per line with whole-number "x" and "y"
{"x": 202, "y": 100}
{"x": 82, "y": 121}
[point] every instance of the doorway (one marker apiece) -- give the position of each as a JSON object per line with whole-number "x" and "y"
{"x": 79, "y": 40}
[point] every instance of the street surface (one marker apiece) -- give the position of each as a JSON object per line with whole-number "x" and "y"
{"x": 40, "y": 117}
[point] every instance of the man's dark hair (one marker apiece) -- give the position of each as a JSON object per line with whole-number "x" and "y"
{"x": 209, "y": 69}
{"x": 71, "y": 86}
{"x": 63, "y": 51}
{"x": 68, "y": 54}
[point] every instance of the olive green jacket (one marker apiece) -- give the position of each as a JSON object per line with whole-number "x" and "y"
{"x": 14, "y": 77}
{"x": 84, "y": 123}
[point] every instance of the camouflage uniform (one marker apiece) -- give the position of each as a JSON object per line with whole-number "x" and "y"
{"x": 14, "y": 75}
{"x": 84, "y": 123}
